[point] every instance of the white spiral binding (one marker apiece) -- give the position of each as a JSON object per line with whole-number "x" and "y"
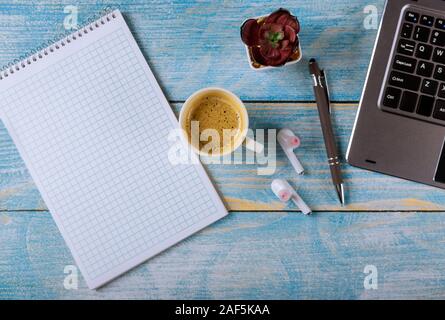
{"x": 39, "y": 53}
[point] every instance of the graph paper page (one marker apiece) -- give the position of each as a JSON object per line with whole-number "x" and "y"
{"x": 91, "y": 124}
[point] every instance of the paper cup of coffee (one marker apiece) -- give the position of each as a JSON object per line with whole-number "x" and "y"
{"x": 215, "y": 123}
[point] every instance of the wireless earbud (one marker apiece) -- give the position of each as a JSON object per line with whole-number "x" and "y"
{"x": 289, "y": 141}
{"x": 284, "y": 191}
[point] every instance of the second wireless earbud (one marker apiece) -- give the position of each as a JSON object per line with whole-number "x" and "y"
{"x": 284, "y": 191}
{"x": 289, "y": 141}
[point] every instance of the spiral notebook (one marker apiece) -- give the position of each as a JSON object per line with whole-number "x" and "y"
{"x": 92, "y": 125}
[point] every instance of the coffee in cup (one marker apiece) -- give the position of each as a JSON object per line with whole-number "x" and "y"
{"x": 215, "y": 122}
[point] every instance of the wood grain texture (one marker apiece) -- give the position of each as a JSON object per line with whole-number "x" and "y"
{"x": 318, "y": 257}
{"x": 244, "y": 190}
{"x": 270, "y": 253}
{"x": 191, "y": 44}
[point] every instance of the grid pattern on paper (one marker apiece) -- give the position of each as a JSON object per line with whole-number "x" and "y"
{"x": 95, "y": 134}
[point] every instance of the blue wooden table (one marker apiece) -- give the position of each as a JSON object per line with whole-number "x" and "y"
{"x": 263, "y": 249}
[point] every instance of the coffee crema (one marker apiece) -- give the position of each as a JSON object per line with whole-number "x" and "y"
{"x": 218, "y": 113}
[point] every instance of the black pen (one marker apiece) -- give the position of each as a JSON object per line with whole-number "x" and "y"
{"x": 321, "y": 92}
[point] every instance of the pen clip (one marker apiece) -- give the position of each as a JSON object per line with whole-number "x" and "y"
{"x": 324, "y": 83}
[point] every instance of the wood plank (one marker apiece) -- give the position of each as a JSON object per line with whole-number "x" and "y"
{"x": 191, "y": 44}
{"x": 247, "y": 256}
{"x": 244, "y": 190}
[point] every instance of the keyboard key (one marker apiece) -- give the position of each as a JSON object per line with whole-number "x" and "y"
{"x": 424, "y": 51}
{"x": 439, "y": 110}
{"x": 421, "y": 34}
{"x": 440, "y": 24}
{"x": 427, "y": 20}
{"x": 425, "y": 69}
{"x": 412, "y": 17}
{"x": 405, "y": 64}
{"x": 406, "y": 47}
{"x": 429, "y": 87}
{"x": 439, "y": 55}
{"x": 438, "y": 38}
{"x": 442, "y": 90}
{"x": 439, "y": 73}
{"x": 404, "y": 81}
{"x": 392, "y": 97}
{"x": 409, "y": 101}
{"x": 426, "y": 105}
{"x": 407, "y": 30}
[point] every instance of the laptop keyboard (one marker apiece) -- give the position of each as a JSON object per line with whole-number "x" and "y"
{"x": 416, "y": 80}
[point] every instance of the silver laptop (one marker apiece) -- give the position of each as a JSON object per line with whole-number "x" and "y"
{"x": 400, "y": 126}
